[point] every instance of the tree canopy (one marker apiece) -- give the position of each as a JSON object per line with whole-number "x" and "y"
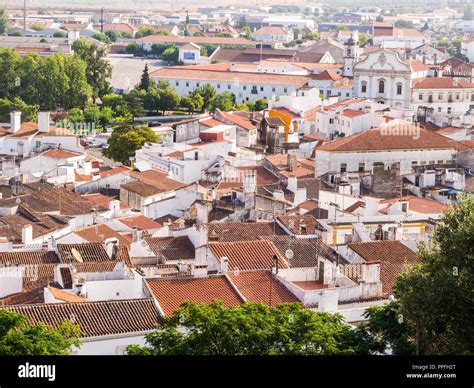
{"x": 126, "y": 139}
{"x": 18, "y": 338}
{"x": 250, "y": 329}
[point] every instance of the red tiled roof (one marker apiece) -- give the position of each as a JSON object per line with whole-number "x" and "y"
{"x": 102, "y": 200}
{"x": 186, "y": 73}
{"x": 261, "y": 287}
{"x": 96, "y": 318}
{"x": 89, "y": 252}
{"x": 113, "y": 171}
{"x": 441, "y": 83}
{"x": 351, "y": 113}
{"x": 248, "y": 255}
{"x": 238, "y": 231}
{"x": 140, "y": 222}
{"x": 60, "y": 154}
{"x": 300, "y": 224}
{"x": 171, "y": 293}
{"x": 172, "y": 248}
{"x": 158, "y": 179}
{"x": 27, "y": 257}
{"x": 419, "y": 205}
{"x": 393, "y": 256}
{"x": 376, "y": 139}
{"x": 327, "y": 75}
{"x": 196, "y": 40}
{"x": 237, "y": 120}
{"x": 101, "y": 232}
{"x": 210, "y": 122}
{"x": 65, "y": 296}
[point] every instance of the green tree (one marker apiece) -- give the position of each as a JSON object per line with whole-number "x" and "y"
{"x": 28, "y": 112}
{"x": 101, "y": 37}
{"x": 145, "y": 31}
{"x": 260, "y": 104}
{"x": 208, "y": 93}
{"x": 126, "y": 139}
{"x": 341, "y": 27}
{"x": 171, "y": 54}
{"x": 145, "y": 81}
{"x": 54, "y": 82}
{"x": 135, "y": 102}
{"x": 223, "y": 101}
{"x": 249, "y": 329}
{"x": 135, "y": 49}
{"x": 60, "y": 34}
{"x": 98, "y": 70}
{"x": 363, "y": 39}
{"x": 385, "y": 329}
{"x": 37, "y": 26}
{"x": 437, "y": 297}
{"x": 168, "y": 99}
{"x": 187, "y": 102}
{"x": 112, "y": 35}
{"x": 78, "y": 90}
{"x": 19, "y": 338}
{"x": 404, "y": 24}
{"x": 3, "y": 20}
{"x": 9, "y": 61}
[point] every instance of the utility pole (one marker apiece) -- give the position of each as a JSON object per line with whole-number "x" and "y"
{"x": 102, "y": 20}
{"x": 24, "y": 17}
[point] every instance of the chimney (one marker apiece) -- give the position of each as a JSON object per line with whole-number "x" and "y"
{"x": 27, "y": 234}
{"x": 15, "y": 121}
{"x": 292, "y": 183}
{"x": 291, "y": 161}
{"x": 43, "y": 122}
{"x": 224, "y": 264}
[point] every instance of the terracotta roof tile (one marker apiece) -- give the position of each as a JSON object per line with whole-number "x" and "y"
{"x": 65, "y": 296}
{"x": 89, "y": 252}
{"x": 237, "y": 231}
{"x": 441, "y": 83}
{"x": 261, "y": 287}
{"x": 248, "y": 255}
{"x": 171, "y": 293}
{"x": 375, "y": 140}
{"x": 29, "y": 257}
{"x": 101, "y": 232}
{"x": 140, "y": 222}
{"x": 172, "y": 248}
{"x": 393, "y": 256}
{"x": 97, "y": 318}
{"x": 301, "y": 224}
{"x": 102, "y": 200}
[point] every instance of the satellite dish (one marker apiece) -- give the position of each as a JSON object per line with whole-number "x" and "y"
{"x": 77, "y": 256}
{"x": 236, "y": 271}
{"x": 18, "y": 201}
{"x": 289, "y": 254}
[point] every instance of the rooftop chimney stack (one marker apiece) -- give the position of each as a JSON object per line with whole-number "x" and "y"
{"x": 27, "y": 234}
{"x": 15, "y": 121}
{"x": 43, "y": 122}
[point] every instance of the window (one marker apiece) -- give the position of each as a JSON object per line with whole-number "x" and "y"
{"x": 347, "y": 94}
{"x": 440, "y": 162}
{"x": 285, "y": 90}
{"x": 343, "y": 167}
{"x": 458, "y": 96}
{"x": 177, "y": 83}
{"x": 339, "y": 94}
{"x": 187, "y": 83}
{"x": 414, "y": 163}
{"x": 361, "y": 167}
{"x": 404, "y": 207}
{"x": 218, "y": 86}
{"x": 196, "y": 156}
{"x": 449, "y": 110}
{"x": 273, "y": 90}
{"x": 244, "y": 87}
{"x": 420, "y": 96}
{"x": 423, "y": 162}
{"x": 431, "y": 162}
{"x": 381, "y": 86}
{"x": 228, "y": 87}
{"x": 399, "y": 89}
{"x": 430, "y": 98}
{"x": 254, "y": 90}
{"x": 261, "y": 88}
{"x": 197, "y": 84}
{"x": 439, "y": 109}
{"x": 331, "y": 121}
{"x": 440, "y": 96}
{"x": 363, "y": 87}
{"x": 472, "y": 97}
